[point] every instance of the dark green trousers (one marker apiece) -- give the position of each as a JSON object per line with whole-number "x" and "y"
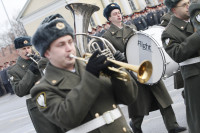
{"x": 168, "y": 117}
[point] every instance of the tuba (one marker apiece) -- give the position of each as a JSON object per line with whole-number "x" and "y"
{"x": 82, "y": 13}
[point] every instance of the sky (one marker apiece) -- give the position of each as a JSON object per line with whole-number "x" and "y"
{"x": 13, "y": 8}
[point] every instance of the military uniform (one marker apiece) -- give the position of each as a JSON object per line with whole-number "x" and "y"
{"x": 140, "y": 23}
{"x": 178, "y": 80}
{"x": 165, "y": 19}
{"x": 154, "y": 97}
{"x": 71, "y": 99}
{"x": 182, "y": 43}
{"x": 118, "y": 37}
{"x": 22, "y": 80}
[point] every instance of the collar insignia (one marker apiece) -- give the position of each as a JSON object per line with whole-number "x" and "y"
{"x": 11, "y": 78}
{"x": 167, "y": 41}
{"x": 60, "y": 25}
{"x": 198, "y": 17}
{"x": 41, "y": 100}
{"x": 25, "y": 41}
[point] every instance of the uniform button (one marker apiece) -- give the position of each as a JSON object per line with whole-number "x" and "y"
{"x": 97, "y": 115}
{"x": 114, "y": 106}
{"x": 182, "y": 27}
{"x": 124, "y": 129}
{"x": 53, "y": 81}
{"x": 23, "y": 66}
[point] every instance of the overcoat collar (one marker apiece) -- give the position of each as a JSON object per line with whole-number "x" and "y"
{"x": 182, "y": 25}
{"x": 116, "y": 30}
{"x": 23, "y": 63}
{"x": 63, "y": 78}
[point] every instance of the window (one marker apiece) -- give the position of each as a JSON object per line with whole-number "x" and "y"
{"x": 92, "y": 23}
{"x": 131, "y": 5}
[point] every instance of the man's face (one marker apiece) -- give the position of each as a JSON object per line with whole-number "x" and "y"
{"x": 115, "y": 16}
{"x": 181, "y": 10}
{"x": 24, "y": 51}
{"x": 59, "y": 51}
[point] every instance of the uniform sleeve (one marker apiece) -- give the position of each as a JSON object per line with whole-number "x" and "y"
{"x": 22, "y": 86}
{"x": 125, "y": 91}
{"x": 181, "y": 51}
{"x": 68, "y": 111}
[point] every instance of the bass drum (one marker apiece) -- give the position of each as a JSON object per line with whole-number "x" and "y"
{"x": 147, "y": 45}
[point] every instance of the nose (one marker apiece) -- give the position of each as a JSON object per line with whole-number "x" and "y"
{"x": 68, "y": 47}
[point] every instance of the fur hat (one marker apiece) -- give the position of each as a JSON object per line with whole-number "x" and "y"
{"x": 193, "y": 8}
{"x": 171, "y": 3}
{"x": 109, "y": 8}
{"x": 52, "y": 28}
{"x": 23, "y": 41}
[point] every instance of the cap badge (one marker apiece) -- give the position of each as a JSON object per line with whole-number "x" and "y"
{"x": 112, "y": 5}
{"x": 25, "y": 41}
{"x": 60, "y": 25}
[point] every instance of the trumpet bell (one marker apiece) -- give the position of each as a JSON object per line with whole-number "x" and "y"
{"x": 145, "y": 71}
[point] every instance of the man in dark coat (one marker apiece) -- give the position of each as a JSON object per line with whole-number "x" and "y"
{"x": 73, "y": 95}
{"x": 23, "y": 75}
{"x": 152, "y": 97}
{"x": 181, "y": 42}
{"x": 178, "y": 80}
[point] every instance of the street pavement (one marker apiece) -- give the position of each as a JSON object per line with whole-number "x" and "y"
{"x": 14, "y": 117}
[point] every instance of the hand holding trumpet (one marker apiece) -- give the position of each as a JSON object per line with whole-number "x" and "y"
{"x": 97, "y": 63}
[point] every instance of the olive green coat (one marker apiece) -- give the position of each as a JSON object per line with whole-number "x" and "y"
{"x": 73, "y": 98}
{"x": 119, "y": 37}
{"x": 178, "y": 80}
{"x": 22, "y": 80}
{"x": 165, "y": 19}
{"x": 182, "y": 43}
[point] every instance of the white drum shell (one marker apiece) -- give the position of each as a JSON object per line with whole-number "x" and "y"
{"x": 147, "y": 45}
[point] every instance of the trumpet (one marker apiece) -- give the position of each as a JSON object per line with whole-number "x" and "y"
{"x": 31, "y": 57}
{"x": 144, "y": 70}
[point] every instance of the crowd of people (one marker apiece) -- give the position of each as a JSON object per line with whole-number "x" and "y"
{"x": 5, "y": 86}
{"x": 140, "y": 20}
{"x": 66, "y": 95}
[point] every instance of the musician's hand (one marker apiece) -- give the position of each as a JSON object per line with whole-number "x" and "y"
{"x": 194, "y": 10}
{"x": 34, "y": 68}
{"x": 119, "y": 56}
{"x": 96, "y": 64}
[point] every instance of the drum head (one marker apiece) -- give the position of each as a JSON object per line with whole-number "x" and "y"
{"x": 141, "y": 47}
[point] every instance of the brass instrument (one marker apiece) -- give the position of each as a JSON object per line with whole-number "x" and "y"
{"x": 82, "y": 13}
{"x": 144, "y": 70}
{"x": 31, "y": 57}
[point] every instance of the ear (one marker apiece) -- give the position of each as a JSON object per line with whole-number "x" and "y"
{"x": 46, "y": 54}
{"x": 173, "y": 10}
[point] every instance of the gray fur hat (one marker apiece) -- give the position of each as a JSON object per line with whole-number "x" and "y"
{"x": 171, "y": 3}
{"x": 109, "y": 8}
{"x": 23, "y": 41}
{"x": 51, "y": 28}
{"x": 193, "y": 8}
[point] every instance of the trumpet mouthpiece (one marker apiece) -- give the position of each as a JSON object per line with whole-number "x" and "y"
{"x": 71, "y": 56}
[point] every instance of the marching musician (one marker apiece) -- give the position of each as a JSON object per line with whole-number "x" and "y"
{"x": 73, "y": 95}
{"x": 181, "y": 42}
{"x": 152, "y": 97}
{"x": 23, "y": 75}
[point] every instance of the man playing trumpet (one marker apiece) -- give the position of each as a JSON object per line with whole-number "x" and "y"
{"x": 73, "y": 95}
{"x": 23, "y": 75}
